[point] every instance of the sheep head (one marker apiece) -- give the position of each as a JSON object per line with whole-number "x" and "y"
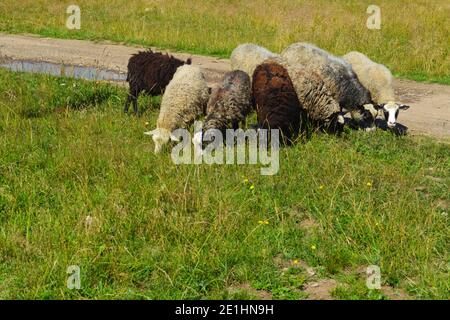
{"x": 391, "y": 111}
{"x": 161, "y": 137}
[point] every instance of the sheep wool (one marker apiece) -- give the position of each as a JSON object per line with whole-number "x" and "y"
{"x": 150, "y": 72}
{"x": 315, "y": 97}
{"x": 230, "y": 103}
{"x": 248, "y": 56}
{"x": 374, "y": 76}
{"x": 275, "y": 100}
{"x": 337, "y": 74}
{"x": 183, "y": 102}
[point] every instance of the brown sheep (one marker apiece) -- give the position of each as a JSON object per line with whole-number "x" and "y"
{"x": 276, "y": 102}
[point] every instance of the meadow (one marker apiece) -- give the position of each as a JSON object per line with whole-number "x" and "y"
{"x": 413, "y": 41}
{"x": 80, "y": 185}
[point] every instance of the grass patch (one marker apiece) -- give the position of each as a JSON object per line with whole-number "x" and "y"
{"x": 79, "y": 185}
{"x": 413, "y": 40}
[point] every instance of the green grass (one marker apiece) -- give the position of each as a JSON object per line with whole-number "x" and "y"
{"x": 413, "y": 41}
{"x": 67, "y": 152}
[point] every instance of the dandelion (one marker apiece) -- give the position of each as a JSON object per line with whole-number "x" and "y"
{"x": 313, "y": 247}
{"x": 321, "y": 187}
{"x": 147, "y": 123}
{"x": 369, "y": 184}
{"x": 263, "y": 221}
{"x": 252, "y": 187}
{"x": 295, "y": 261}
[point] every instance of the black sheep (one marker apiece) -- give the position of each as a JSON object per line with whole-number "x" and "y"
{"x": 150, "y": 72}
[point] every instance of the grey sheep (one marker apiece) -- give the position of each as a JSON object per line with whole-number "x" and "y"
{"x": 339, "y": 78}
{"x": 229, "y": 104}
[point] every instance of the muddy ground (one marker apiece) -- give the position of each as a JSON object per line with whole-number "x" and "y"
{"x": 430, "y": 103}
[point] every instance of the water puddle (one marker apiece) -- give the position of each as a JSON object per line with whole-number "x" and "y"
{"x": 63, "y": 70}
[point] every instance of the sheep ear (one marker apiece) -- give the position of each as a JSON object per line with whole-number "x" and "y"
{"x": 189, "y": 61}
{"x": 174, "y": 138}
{"x": 403, "y": 107}
{"x": 151, "y": 133}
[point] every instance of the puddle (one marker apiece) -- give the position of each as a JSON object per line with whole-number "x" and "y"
{"x": 63, "y": 70}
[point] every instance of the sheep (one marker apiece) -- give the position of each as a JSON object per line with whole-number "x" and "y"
{"x": 183, "y": 102}
{"x": 275, "y": 100}
{"x": 339, "y": 78}
{"x": 322, "y": 109}
{"x": 150, "y": 72}
{"x": 378, "y": 80}
{"x": 248, "y": 56}
{"x": 229, "y": 104}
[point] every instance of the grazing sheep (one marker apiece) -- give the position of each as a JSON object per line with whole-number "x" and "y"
{"x": 275, "y": 100}
{"x": 339, "y": 78}
{"x": 150, "y": 72}
{"x": 322, "y": 110}
{"x": 248, "y": 56}
{"x": 378, "y": 80}
{"x": 229, "y": 104}
{"x": 183, "y": 102}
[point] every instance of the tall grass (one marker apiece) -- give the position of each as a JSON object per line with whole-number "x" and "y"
{"x": 79, "y": 185}
{"x": 413, "y": 42}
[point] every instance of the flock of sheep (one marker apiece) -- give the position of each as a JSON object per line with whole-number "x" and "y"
{"x": 304, "y": 86}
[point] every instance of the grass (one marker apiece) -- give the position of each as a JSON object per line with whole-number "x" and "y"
{"x": 80, "y": 185}
{"x": 413, "y": 41}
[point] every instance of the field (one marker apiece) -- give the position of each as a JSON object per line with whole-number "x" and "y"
{"x": 80, "y": 185}
{"x": 413, "y": 41}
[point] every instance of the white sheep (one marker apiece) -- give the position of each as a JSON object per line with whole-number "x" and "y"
{"x": 183, "y": 102}
{"x": 379, "y": 81}
{"x": 339, "y": 78}
{"x": 248, "y": 56}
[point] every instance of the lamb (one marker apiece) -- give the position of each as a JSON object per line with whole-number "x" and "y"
{"x": 339, "y": 78}
{"x": 150, "y": 72}
{"x": 275, "y": 100}
{"x": 183, "y": 102}
{"x": 248, "y": 56}
{"x": 229, "y": 104}
{"x": 378, "y": 80}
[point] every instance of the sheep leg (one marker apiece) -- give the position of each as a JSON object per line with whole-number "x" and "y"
{"x": 235, "y": 124}
{"x": 135, "y": 103}
{"x": 127, "y": 103}
{"x": 132, "y": 97}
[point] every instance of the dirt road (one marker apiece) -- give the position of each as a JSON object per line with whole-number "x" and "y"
{"x": 430, "y": 103}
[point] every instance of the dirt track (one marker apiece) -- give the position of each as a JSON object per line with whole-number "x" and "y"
{"x": 430, "y": 103}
